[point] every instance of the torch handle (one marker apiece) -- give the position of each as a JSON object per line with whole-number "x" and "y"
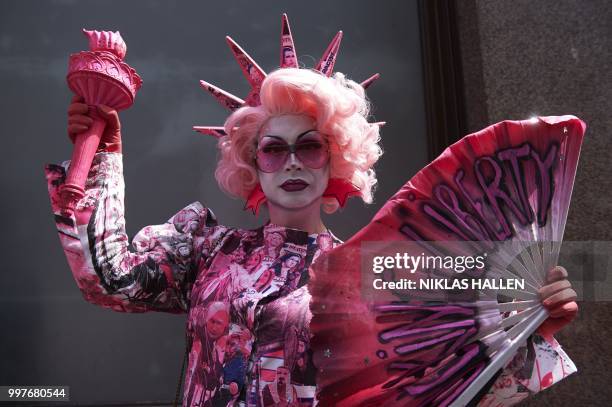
{"x": 85, "y": 147}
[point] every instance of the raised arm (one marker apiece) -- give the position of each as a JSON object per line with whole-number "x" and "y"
{"x": 158, "y": 275}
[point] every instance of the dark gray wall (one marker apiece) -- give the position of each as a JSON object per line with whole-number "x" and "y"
{"x": 48, "y": 334}
{"x": 552, "y": 57}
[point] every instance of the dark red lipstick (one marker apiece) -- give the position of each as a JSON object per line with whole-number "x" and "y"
{"x": 292, "y": 185}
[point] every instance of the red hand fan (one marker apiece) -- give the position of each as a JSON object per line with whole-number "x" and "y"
{"x": 503, "y": 191}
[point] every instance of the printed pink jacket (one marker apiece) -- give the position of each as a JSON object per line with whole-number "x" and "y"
{"x": 245, "y": 292}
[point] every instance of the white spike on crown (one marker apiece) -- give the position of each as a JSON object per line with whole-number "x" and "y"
{"x": 255, "y": 75}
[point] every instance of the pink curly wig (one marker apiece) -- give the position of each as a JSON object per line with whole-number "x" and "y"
{"x": 340, "y": 109}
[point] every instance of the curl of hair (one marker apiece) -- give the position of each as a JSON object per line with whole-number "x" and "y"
{"x": 340, "y": 109}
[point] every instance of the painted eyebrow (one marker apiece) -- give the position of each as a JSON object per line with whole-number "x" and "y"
{"x": 297, "y": 138}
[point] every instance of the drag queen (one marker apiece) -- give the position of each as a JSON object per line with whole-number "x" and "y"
{"x": 300, "y": 143}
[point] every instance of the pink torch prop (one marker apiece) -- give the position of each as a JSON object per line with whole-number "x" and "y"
{"x": 101, "y": 77}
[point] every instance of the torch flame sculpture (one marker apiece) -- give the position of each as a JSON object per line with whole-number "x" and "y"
{"x": 101, "y": 77}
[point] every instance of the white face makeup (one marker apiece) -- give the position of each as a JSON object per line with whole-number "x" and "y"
{"x": 294, "y": 185}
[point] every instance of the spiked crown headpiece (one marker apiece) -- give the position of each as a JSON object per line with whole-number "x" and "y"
{"x": 255, "y": 75}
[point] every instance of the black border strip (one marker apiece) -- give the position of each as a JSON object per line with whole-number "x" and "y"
{"x": 443, "y": 85}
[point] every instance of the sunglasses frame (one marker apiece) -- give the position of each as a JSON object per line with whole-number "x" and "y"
{"x": 293, "y": 150}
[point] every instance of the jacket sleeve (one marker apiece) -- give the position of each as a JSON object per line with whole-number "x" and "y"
{"x": 536, "y": 366}
{"x": 158, "y": 274}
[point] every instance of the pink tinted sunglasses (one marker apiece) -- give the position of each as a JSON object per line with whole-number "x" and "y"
{"x": 311, "y": 149}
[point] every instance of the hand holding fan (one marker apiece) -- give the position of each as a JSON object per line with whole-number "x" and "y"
{"x": 101, "y": 77}
{"x": 504, "y": 191}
